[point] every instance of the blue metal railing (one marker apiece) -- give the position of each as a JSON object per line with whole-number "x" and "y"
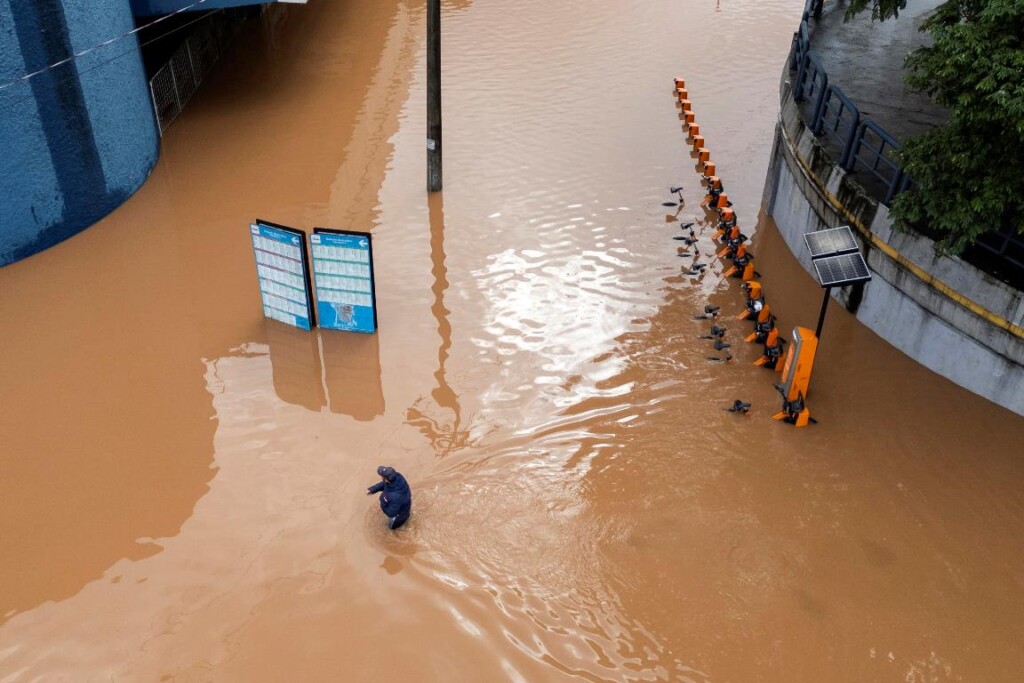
{"x": 870, "y": 147}
{"x": 864, "y": 145}
{"x": 838, "y": 117}
{"x": 811, "y": 80}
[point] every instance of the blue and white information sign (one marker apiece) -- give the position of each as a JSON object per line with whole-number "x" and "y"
{"x": 343, "y": 271}
{"x": 283, "y": 270}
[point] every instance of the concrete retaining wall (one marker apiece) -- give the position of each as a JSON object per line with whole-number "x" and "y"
{"x": 941, "y": 311}
{"x": 77, "y": 140}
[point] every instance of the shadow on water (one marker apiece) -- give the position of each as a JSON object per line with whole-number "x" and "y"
{"x": 444, "y": 428}
{"x": 107, "y": 446}
{"x": 340, "y": 371}
{"x": 108, "y": 442}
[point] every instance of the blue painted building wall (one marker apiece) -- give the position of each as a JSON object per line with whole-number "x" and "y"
{"x": 78, "y": 140}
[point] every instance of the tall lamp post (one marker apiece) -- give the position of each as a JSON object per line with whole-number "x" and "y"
{"x": 837, "y": 262}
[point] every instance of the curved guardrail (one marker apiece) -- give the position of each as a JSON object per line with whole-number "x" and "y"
{"x": 865, "y": 148}
{"x": 864, "y": 145}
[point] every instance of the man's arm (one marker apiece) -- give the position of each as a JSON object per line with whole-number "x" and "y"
{"x": 376, "y": 488}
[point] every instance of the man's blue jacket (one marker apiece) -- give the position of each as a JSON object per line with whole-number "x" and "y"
{"x": 395, "y": 497}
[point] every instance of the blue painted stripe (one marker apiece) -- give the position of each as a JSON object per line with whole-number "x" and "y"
{"x": 42, "y": 31}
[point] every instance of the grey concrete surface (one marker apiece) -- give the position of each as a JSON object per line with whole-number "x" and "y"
{"x": 866, "y": 59}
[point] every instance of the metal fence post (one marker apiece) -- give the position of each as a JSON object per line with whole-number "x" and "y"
{"x": 798, "y": 90}
{"x": 894, "y": 184}
{"x": 846, "y": 157}
{"x": 156, "y": 109}
{"x": 804, "y": 45}
{"x": 174, "y": 83}
{"x": 855, "y": 142}
{"x": 820, "y": 105}
{"x": 191, "y": 63}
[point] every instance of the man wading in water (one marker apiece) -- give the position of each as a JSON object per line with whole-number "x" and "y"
{"x": 395, "y": 496}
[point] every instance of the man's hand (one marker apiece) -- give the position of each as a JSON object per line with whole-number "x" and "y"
{"x": 369, "y": 492}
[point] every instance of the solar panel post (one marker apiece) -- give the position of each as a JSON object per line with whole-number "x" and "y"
{"x": 837, "y": 262}
{"x": 821, "y": 316}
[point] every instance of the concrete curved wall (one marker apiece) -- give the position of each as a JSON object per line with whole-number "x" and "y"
{"x": 78, "y": 140}
{"x": 939, "y": 310}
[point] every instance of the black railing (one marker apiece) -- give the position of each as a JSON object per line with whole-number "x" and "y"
{"x": 865, "y": 150}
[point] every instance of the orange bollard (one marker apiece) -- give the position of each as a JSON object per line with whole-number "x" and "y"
{"x": 772, "y": 350}
{"x": 680, "y": 82}
{"x": 714, "y": 189}
{"x": 729, "y": 236}
{"x": 755, "y": 300}
{"x": 709, "y": 169}
{"x": 703, "y": 155}
{"x": 689, "y": 116}
{"x": 748, "y": 270}
{"x": 698, "y": 142}
{"x": 692, "y": 129}
{"x": 687, "y": 105}
{"x": 682, "y": 94}
{"x": 723, "y": 201}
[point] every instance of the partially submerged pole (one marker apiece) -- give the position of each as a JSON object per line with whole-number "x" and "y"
{"x": 821, "y": 316}
{"x": 433, "y": 95}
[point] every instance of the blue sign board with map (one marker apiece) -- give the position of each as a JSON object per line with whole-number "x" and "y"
{"x": 283, "y": 270}
{"x": 343, "y": 272}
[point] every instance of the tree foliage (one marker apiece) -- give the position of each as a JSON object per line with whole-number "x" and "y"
{"x": 880, "y": 9}
{"x": 969, "y": 174}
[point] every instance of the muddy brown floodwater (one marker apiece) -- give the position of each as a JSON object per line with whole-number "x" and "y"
{"x": 182, "y": 481}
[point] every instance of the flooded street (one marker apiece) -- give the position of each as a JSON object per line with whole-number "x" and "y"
{"x": 182, "y": 482}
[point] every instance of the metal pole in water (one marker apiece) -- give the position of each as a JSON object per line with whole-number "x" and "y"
{"x": 821, "y": 316}
{"x": 433, "y": 95}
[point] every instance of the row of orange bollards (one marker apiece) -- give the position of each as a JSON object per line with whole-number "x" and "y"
{"x": 733, "y": 241}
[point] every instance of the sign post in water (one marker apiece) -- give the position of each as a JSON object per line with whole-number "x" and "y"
{"x": 283, "y": 270}
{"x": 343, "y": 271}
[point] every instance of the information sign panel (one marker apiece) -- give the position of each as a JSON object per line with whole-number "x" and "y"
{"x": 343, "y": 271}
{"x": 283, "y": 270}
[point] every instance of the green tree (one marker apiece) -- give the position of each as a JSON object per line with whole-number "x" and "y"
{"x": 969, "y": 174}
{"x": 880, "y": 9}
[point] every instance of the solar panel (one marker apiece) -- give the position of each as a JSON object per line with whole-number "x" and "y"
{"x": 831, "y": 242}
{"x": 841, "y": 270}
